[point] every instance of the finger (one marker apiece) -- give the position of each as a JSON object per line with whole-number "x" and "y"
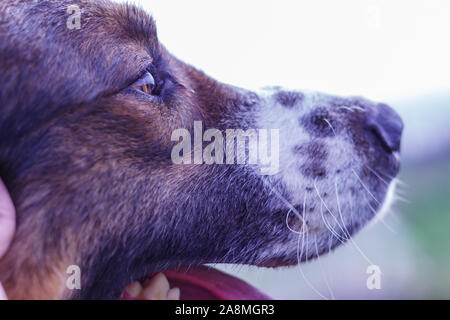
{"x": 2, "y": 293}
{"x": 7, "y": 219}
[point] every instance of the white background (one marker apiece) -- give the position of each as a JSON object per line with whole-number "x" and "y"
{"x": 379, "y": 49}
{"x": 391, "y": 51}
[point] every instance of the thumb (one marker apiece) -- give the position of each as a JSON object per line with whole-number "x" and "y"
{"x": 7, "y": 225}
{"x": 7, "y": 219}
{"x": 2, "y": 293}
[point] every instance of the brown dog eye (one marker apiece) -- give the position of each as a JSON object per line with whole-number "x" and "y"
{"x": 146, "y": 83}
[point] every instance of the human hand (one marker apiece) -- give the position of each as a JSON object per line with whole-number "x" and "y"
{"x": 7, "y": 225}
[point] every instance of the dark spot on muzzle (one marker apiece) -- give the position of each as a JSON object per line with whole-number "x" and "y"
{"x": 288, "y": 99}
{"x": 316, "y": 155}
{"x": 314, "y": 150}
{"x": 319, "y": 123}
{"x": 314, "y": 170}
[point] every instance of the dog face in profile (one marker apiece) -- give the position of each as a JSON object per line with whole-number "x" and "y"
{"x": 86, "y": 121}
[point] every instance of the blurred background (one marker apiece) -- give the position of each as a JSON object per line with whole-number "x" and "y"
{"x": 391, "y": 51}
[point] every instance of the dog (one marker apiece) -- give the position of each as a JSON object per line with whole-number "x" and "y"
{"x": 86, "y": 121}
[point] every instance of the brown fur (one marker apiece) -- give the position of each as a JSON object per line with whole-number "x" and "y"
{"x": 88, "y": 163}
{"x": 87, "y": 159}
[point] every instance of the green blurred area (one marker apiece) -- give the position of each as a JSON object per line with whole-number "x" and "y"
{"x": 427, "y": 218}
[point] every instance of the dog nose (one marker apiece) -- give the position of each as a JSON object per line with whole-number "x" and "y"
{"x": 387, "y": 126}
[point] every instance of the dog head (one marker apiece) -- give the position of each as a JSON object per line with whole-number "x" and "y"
{"x": 86, "y": 149}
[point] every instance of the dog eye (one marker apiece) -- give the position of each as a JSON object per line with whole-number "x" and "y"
{"x": 146, "y": 83}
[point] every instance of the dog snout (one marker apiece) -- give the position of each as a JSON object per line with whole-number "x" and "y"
{"x": 386, "y": 125}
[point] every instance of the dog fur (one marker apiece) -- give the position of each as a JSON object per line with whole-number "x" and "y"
{"x": 87, "y": 160}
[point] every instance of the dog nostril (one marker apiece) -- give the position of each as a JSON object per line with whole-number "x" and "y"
{"x": 387, "y": 126}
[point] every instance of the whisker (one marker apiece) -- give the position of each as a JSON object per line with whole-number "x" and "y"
{"x": 400, "y": 191}
{"x": 400, "y": 198}
{"x": 377, "y": 175}
{"x": 287, "y": 203}
{"x": 361, "y": 252}
{"x": 364, "y": 186}
{"x": 400, "y": 182}
{"x": 394, "y": 215}
{"x": 287, "y": 223}
{"x": 395, "y": 179}
{"x": 387, "y": 226}
{"x": 288, "y": 214}
{"x": 299, "y": 253}
{"x": 301, "y": 237}
{"x": 324, "y": 274}
{"x": 331, "y": 229}
{"x": 381, "y": 219}
{"x": 329, "y": 124}
{"x": 358, "y": 108}
{"x": 346, "y": 108}
{"x": 326, "y": 207}
{"x": 348, "y": 233}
